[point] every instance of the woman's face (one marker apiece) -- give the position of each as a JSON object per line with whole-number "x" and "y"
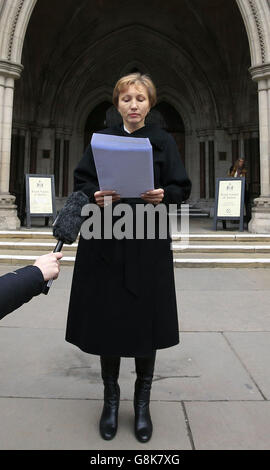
{"x": 134, "y": 105}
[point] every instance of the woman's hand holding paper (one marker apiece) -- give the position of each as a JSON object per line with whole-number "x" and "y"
{"x": 153, "y": 197}
{"x": 100, "y": 195}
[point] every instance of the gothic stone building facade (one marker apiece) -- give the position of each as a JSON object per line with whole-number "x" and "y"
{"x": 59, "y": 61}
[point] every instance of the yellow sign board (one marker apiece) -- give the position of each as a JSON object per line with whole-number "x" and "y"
{"x": 40, "y": 196}
{"x": 229, "y": 200}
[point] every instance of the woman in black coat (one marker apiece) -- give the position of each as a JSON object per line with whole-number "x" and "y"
{"x": 123, "y": 301}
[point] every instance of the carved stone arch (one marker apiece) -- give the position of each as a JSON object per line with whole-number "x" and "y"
{"x": 17, "y": 13}
{"x": 256, "y": 17}
{"x": 166, "y": 94}
{"x": 203, "y": 101}
{"x": 134, "y": 64}
{"x": 93, "y": 99}
{"x": 181, "y": 105}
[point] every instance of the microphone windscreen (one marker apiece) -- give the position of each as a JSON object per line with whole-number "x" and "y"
{"x": 69, "y": 220}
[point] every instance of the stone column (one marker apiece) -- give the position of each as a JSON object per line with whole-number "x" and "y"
{"x": 58, "y": 161}
{"x": 57, "y": 156}
{"x": 66, "y": 161}
{"x": 260, "y": 221}
{"x": 35, "y": 132}
{"x": 8, "y": 213}
{"x": 211, "y": 167}
{"x": 202, "y": 163}
{"x": 241, "y": 144}
{"x": 65, "y": 168}
{"x": 235, "y": 145}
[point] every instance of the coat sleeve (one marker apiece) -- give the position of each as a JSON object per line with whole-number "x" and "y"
{"x": 175, "y": 181}
{"x": 85, "y": 175}
{"x": 18, "y": 287}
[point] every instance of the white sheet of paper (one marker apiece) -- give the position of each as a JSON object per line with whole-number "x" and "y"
{"x": 123, "y": 164}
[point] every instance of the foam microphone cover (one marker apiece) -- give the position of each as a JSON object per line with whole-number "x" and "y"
{"x": 69, "y": 220}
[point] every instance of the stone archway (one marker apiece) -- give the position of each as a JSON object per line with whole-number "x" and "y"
{"x": 14, "y": 19}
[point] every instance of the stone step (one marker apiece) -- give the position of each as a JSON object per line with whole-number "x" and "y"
{"x": 222, "y": 255}
{"x": 220, "y": 248}
{"x": 43, "y": 236}
{"x": 178, "y": 247}
{"x": 179, "y": 262}
{"x": 193, "y": 213}
{"x": 24, "y": 260}
{"x": 26, "y": 234}
{"x": 30, "y": 246}
{"x": 201, "y": 250}
{"x": 221, "y": 237}
{"x": 222, "y": 263}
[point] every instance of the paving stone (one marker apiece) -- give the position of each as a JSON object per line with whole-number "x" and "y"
{"x": 220, "y": 279}
{"x": 230, "y": 426}
{"x": 74, "y": 424}
{"x": 215, "y": 310}
{"x": 39, "y": 363}
{"x": 204, "y": 367}
{"x": 254, "y": 350}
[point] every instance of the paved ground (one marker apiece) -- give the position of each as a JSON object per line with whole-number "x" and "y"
{"x": 211, "y": 391}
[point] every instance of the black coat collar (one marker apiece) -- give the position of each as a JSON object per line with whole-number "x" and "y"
{"x": 154, "y": 133}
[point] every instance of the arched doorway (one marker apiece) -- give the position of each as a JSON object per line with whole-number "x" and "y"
{"x": 163, "y": 114}
{"x": 96, "y": 121}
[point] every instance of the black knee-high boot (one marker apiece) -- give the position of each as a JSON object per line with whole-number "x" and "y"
{"x": 110, "y": 366}
{"x": 145, "y": 370}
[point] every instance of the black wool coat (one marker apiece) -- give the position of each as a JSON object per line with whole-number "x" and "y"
{"x": 123, "y": 299}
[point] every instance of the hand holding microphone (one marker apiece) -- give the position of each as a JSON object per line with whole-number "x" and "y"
{"x": 49, "y": 265}
{"x": 67, "y": 224}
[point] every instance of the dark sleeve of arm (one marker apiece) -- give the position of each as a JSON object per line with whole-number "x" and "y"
{"x": 19, "y": 287}
{"x": 85, "y": 175}
{"x": 176, "y": 183}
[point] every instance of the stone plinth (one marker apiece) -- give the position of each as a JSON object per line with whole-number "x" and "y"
{"x": 260, "y": 221}
{"x": 8, "y": 213}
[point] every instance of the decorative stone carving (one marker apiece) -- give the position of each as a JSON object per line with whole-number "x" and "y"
{"x": 8, "y": 213}
{"x": 10, "y": 69}
{"x": 13, "y": 28}
{"x": 260, "y": 222}
{"x": 260, "y": 72}
{"x": 260, "y": 31}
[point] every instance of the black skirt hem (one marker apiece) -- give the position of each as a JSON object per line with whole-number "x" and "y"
{"x": 119, "y": 354}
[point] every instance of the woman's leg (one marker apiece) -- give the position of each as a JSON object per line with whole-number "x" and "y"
{"x": 145, "y": 370}
{"x": 110, "y": 366}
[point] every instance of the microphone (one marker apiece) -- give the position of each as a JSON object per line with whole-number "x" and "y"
{"x": 67, "y": 224}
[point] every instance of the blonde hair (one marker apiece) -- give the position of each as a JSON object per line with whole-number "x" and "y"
{"x": 135, "y": 79}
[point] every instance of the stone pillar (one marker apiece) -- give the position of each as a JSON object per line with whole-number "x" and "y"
{"x": 33, "y": 150}
{"x": 260, "y": 221}
{"x": 67, "y": 132}
{"x": 202, "y": 164}
{"x": 8, "y": 213}
{"x": 65, "y": 168}
{"x": 211, "y": 167}
{"x": 57, "y": 162}
{"x": 235, "y": 146}
{"x": 241, "y": 144}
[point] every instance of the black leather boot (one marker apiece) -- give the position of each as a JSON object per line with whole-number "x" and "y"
{"x": 108, "y": 424}
{"x": 145, "y": 370}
